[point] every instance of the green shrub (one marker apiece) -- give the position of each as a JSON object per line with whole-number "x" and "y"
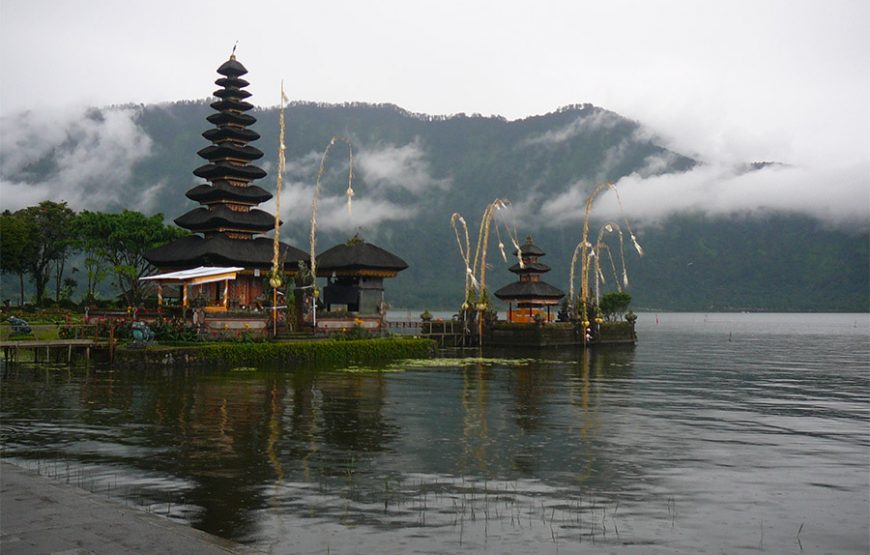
{"x": 614, "y": 305}
{"x": 316, "y": 352}
{"x": 356, "y": 332}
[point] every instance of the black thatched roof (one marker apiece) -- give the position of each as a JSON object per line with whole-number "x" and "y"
{"x": 357, "y": 256}
{"x": 529, "y": 268}
{"x": 229, "y": 150}
{"x": 529, "y": 290}
{"x": 232, "y": 68}
{"x": 230, "y": 104}
{"x": 231, "y": 92}
{"x": 529, "y": 249}
{"x": 219, "y": 250}
{"x": 225, "y": 118}
{"x": 223, "y": 170}
{"x": 240, "y": 134}
{"x": 231, "y": 82}
{"x": 202, "y": 219}
{"x": 222, "y": 190}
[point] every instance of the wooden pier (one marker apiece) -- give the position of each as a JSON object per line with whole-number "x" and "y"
{"x": 55, "y": 350}
{"x": 447, "y": 333}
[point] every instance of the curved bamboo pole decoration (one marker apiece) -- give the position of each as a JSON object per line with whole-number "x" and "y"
{"x": 483, "y": 240}
{"x": 599, "y": 273}
{"x": 484, "y": 235}
{"x": 600, "y": 245}
{"x": 584, "y": 247}
{"x": 512, "y": 236}
{"x": 477, "y": 267}
{"x": 470, "y": 280}
{"x": 571, "y": 278}
{"x": 275, "y": 280}
{"x": 312, "y": 238}
{"x": 609, "y": 228}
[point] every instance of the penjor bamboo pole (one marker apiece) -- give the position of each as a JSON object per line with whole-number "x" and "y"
{"x": 275, "y": 280}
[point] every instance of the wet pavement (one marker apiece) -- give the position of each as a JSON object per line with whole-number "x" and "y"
{"x": 41, "y": 516}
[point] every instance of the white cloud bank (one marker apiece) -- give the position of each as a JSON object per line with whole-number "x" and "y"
{"x": 404, "y": 167}
{"x": 383, "y": 169}
{"x": 825, "y": 180}
{"x": 87, "y": 156}
{"x": 839, "y": 196}
{"x": 593, "y": 121}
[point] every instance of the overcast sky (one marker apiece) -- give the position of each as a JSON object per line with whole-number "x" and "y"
{"x": 725, "y": 81}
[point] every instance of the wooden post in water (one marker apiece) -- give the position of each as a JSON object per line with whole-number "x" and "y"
{"x": 111, "y": 343}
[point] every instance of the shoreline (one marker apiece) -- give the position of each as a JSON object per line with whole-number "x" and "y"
{"x": 43, "y": 516}
{"x": 294, "y": 353}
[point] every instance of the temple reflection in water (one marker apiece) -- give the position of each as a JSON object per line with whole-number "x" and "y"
{"x": 226, "y": 439}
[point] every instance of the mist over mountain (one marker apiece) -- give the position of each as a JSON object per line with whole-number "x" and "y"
{"x": 716, "y": 237}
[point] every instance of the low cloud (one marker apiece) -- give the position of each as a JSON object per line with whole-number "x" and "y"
{"x": 332, "y": 211}
{"x": 398, "y": 167}
{"x": 839, "y": 196}
{"x": 564, "y": 208}
{"x": 85, "y": 157}
{"x": 658, "y": 164}
{"x": 370, "y": 207}
{"x": 149, "y": 198}
{"x": 595, "y": 120}
{"x": 366, "y": 213}
{"x": 825, "y": 180}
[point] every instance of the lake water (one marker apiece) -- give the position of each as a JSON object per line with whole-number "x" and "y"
{"x": 717, "y": 433}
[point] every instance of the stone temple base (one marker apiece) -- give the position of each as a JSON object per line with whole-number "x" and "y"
{"x": 557, "y": 334}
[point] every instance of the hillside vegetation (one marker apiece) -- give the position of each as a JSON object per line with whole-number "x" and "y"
{"x": 413, "y": 171}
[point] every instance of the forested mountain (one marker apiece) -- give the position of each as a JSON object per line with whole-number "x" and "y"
{"x": 411, "y": 172}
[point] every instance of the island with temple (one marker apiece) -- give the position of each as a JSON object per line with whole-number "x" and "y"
{"x": 222, "y": 277}
{"x": 538, "y": 314}
{"x": 227, "y": 278}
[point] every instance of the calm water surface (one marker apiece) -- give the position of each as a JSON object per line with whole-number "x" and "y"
{"x": 718, "y": 433}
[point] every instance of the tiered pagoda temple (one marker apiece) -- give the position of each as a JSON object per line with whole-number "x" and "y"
{"x": 530, "y": 322}
{"x": 227, "y": 226}
{"x": 530, "y": 299}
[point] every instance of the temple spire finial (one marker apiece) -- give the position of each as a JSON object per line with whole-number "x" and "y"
{"x": 233, "y": 53}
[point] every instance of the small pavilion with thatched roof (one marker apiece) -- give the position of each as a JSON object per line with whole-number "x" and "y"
{"x": 530, "y": 299}
{"x": 355, "y": 273}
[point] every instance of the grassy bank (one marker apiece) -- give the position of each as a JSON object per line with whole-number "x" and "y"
{"x": 297, "y": 353}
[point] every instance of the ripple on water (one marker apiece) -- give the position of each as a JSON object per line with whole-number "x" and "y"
{"x": 717, "y": 433}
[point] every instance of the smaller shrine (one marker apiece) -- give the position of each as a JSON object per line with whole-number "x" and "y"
{"x": 530, "y": 299}
{"x": 355, "y": 273}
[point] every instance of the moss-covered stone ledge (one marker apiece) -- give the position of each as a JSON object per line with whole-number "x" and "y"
{"x": 296, "y": 353}
{"x": 617, "y": 332}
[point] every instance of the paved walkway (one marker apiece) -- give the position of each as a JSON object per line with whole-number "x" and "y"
{"x": 41, "y": 516}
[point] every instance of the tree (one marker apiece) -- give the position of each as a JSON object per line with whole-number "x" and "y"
{"x": 614, "y": 305}
{"x": 50, "y": 223}
{"x": 91, "y": 230}
{"x": 129, "y": 235}
{"x": 64, "y": 246}
{"x": 17, "y": 246}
